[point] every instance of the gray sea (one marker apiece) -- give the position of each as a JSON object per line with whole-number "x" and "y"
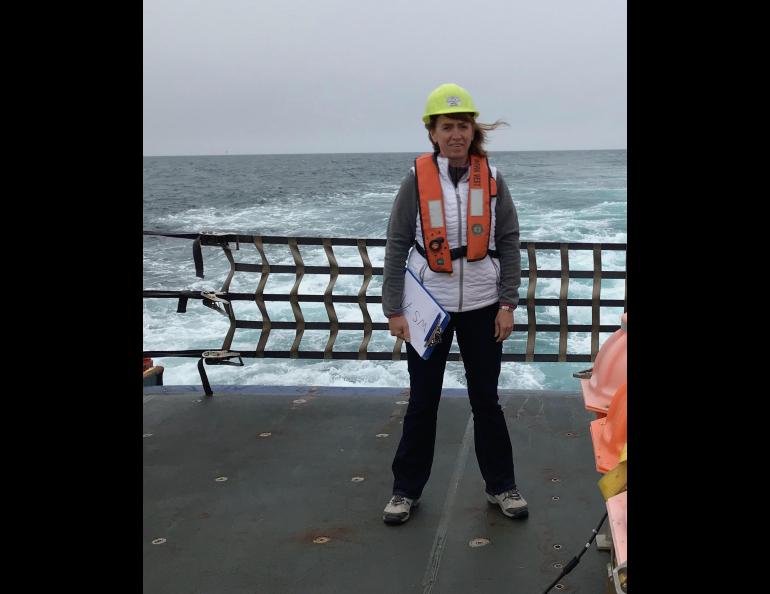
{"x": 577, "y": 196}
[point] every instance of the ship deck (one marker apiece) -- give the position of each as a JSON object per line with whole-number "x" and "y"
{"x": 251, "y": 491}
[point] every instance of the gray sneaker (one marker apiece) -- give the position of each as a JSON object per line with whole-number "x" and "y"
{"x": 398, "y": 508}
{"x": 511, "y": 502}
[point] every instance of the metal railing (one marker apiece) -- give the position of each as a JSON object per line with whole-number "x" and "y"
{"x": 222, "y": 300}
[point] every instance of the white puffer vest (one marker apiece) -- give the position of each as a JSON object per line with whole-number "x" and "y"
{"x": 470, "y": 285}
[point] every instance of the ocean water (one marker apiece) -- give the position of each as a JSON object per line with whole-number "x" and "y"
{"x": 577, "y": 196}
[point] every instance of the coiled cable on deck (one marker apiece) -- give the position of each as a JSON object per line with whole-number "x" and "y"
{"x": 576, "y": 559}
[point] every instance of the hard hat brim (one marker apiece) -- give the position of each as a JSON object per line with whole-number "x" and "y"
{"x": 426, "y": 117}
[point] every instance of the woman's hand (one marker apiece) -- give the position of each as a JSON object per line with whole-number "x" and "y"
{"x": 399, "y": 327}
{"x": 503, "y": 324}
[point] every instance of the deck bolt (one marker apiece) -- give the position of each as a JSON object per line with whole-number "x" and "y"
{"x": 557, "y": 546}
{"x": 478, "y": 542}
{"x": 147, "y": 435}
{"x": 569, "y": 434}
{"x": 357, "y": 479}
{"x": 402, "y": 402}
{"x": 159, "y": 541}
{"x": 221, "y": 479}
{"x": 383, "y": 434}
{"x": 555, "y": 480}
{"x": 555, "y": 498}
{"x": 299, "y": 401}
{"x": 266, "y": 434}
{"x": 321, "y": 539}
{"x": 559, "y": 586}
{"x": 558, "y": 565}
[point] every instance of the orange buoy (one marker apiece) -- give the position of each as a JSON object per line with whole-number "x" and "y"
{"x": 609, "y": 371}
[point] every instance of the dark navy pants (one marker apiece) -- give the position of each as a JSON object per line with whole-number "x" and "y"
{"x": 481, "y": 355}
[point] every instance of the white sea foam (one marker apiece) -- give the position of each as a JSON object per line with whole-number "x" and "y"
{"x": 280, "y": 372}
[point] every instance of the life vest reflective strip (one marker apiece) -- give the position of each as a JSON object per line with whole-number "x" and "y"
{"x": 431, "y": 204}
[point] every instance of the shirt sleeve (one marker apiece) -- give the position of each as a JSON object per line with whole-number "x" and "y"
{"x": 507, "y": 243}
{"x": 402, "y": 227}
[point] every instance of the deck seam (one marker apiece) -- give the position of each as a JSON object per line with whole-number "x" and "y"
{"x": 439, "y": 543}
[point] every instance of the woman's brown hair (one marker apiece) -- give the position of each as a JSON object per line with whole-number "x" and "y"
{"x": 479, "y": 131}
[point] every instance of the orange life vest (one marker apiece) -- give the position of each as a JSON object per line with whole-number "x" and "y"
{"x": 431, "y": 201}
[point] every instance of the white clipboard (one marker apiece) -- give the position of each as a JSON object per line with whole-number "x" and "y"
{"x": 425, "y": 316}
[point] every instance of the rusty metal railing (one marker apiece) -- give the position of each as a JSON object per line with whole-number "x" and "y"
{"x": 223, "y": 300}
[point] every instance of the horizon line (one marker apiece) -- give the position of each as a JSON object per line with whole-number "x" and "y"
{"x": 226, "y": 154}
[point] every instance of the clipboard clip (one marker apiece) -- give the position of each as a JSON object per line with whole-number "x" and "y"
{"x": 434, "y": 337}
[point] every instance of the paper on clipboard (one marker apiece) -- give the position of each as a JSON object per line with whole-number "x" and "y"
{"x": 425, "y": 316}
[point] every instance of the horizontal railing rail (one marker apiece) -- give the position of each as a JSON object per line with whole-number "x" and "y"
{"x": 222, "y": 300}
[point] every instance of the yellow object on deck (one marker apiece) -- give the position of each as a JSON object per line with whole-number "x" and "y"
{"x": 614, "y": 481}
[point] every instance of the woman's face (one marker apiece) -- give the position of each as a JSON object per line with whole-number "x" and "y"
{"x": 453, "y": 137}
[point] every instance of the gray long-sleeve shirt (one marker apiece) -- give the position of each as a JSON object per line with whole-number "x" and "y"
{"x": 402, "y": 228}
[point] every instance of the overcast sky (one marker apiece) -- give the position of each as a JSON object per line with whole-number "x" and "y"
{"x": 325, "y": 76}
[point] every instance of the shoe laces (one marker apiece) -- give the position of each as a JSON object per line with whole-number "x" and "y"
{"x": 512, "y": 494}
{"x": 397, "y": 500}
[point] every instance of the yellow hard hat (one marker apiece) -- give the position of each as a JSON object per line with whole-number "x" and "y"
{"x": 448, "y": 98}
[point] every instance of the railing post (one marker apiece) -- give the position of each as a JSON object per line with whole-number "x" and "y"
{"x": 298, "y": 317}
{"x": 362, "y": 298}
{"x": 229, "y": 306}
{"x": 595, "y": 298}
{"x": 531, "y": 313}
{"x": 333, "y": 273}
{"x": 563, "y": 292}
{"x": 259, "y": 297}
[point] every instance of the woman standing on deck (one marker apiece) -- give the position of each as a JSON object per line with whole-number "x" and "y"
{"x": 457, "y": 213}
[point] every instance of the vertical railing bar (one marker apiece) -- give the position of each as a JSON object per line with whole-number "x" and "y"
{"x": 298, "y": 317}
{"x": 259, "y": 298}
{"x": 362, "y": 298}
{"x": 625, "y": 286}
{"x": 563, "y": 292}
{"x": 397, "y": 349}
{"x": 595, "y": 297}
{"x": 531, "y": 314}
{"x": 226, "y": 285}
{"x": 330, "y": 311}
{"x": 229, "y": 306}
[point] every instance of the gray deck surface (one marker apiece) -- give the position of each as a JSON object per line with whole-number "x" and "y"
{"x": 254, "y": 532}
